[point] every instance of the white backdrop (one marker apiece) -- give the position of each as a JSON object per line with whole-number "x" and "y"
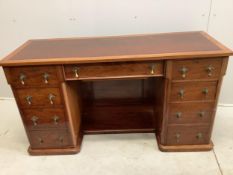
{"x": 28, "y": 19}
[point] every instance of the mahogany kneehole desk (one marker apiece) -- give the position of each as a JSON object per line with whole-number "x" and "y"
{"x": 167, "y": 84}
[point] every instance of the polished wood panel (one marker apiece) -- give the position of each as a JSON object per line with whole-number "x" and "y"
{"x": 188, "y": 134}
{"x": 189, "y": 91}
{"x": 35, "y": 97}
{"x": 192, "y": 113}
{"x": 44, "y": 118}
{"x": 197, "y": 69}
{"x": 26, "y": 76}
{"x": 113, "y": 70}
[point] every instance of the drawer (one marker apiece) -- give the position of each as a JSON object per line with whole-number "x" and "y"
{"x": 43, "y": 118}
{"x": 197, "y": 69}
{"x": 49, "y": 139}
{"x": 35, "y": 97}
{"x": 191, "y": 91}
{"x": 187, "y": 135}
{"x": 111, "y": 70}
{"x": 182, "y": 113}
{"x": 27, "y": 76}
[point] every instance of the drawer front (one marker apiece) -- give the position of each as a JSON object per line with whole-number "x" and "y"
{"x": 191, "y": 91}
{"x": 111, "y": 70}
{"x": 197, "y": 69}
{"x": 187, "y": 135}
{"x": 34, "y": 76}
{"x": 35, "y": 97}
{"x": 36, "y": 119}
{"x": 49, "y": 139}
{"x": 183, "y": 113}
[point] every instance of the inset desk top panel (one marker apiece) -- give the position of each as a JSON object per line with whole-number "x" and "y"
{"x": 116, "y": 48}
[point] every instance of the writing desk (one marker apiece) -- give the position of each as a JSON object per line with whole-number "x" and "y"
{"x": 167, "y": 84}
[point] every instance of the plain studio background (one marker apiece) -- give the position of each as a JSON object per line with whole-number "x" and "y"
{"x": 28, "y": 19}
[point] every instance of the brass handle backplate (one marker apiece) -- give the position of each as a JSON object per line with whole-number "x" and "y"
{"x": 51, "y": 98}
{"x": 40, "y": 140}
{"x": 184, "y": 71}
{"x": 76, "y": 72}
{"x": 209, "y": 70}
{"x": 46, "y": 78}
{"x": 22, "y": 78}
{"x": 205, "y": 91}
{"x": 201, "y": 114}
{"x": 29, "y": 100}
{"x": 34, "y": 120}
{"x": 181, "y": 93}
{"x": 199, "y": 135}
{"x": 178, "y": 115}
{"x": 152, "y": 69}
{"x": 55, "y": 119}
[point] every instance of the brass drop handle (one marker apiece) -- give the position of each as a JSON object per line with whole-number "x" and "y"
{"x": 34, "y": 120}
{"x": 199, "y": 135}
{"x": 46, "y": 78}
{"x": 56, "y": 119}
{"x": 183, "y": 71}
{"x": 76, "y": 72}
{"x": 201, "y": 114}
{"x": 29, "y": 100}
{"x": 61, "y": 139}
{"x": 22, "y": 78}
{"x": 209, "y": 70}
{"x": 178, "y": 115}
{"x": 40, "y": 140}
{"x": 177, "y": 137}
{"x": 205, "y": 91}
{"x": 51, "y": 98}
{"x": 181, "y": 93}
{"x": 152, "y": 69}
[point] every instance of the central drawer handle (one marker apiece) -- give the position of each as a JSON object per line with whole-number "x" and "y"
{"x": 205, "y": 91}
{"x": 181, "y": 93}
{"x": 178, "y": 115}
{"x": 209, "y": 70}
{"x": 51, "y": 98}
{"x": 152, "y": 69}
{"x": 22, "y": 78}
{"x": 46, "y": 78}
{"x": 40, "y": 140}
{"x": 199, "y": 135}
{"x": 34, "y": 120}
{"x": 177, "y": 137}
{"x": 76, "y": 70}
{"x": 201, "y": 114}
{"x": 183, "y": 71}
{"x": 61, "y": 139}
{"x": 56, "y": 119}
{"x": 29, "y": 100}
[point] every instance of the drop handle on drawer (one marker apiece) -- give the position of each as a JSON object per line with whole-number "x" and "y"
{"x": 76, "y": 72}
{"x": 201, "y": 114}
{"x": 178, "y": 115}
{"x": 205, "y": 91}
{"x": 199, "y": 135}
{"x": 29, "y": 100}
{"x": 40, "y": 140}
{"x": 51, "y": 98}
{"x": 183, "y": 71}
{"x": 61, "y": 139}
{"x": 55, "y": 119}
{"x": 152, "y": 69}
{"x": 209, "y": 70}
{"x": 181, "y": 93}
{"x": 177, "y": 137}
{"x": 46, "y": 78}
{"x": 22, "y": 78}
{"x": 34, "y": 120}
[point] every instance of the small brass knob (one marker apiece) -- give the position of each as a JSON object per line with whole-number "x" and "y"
{"x": 209, "y": 70}
{"x": 183, "y": 71}
{"x": 34, "y": 120}
{"x": 181, "y": 93}
{"x": 51, "y": 98}
{"x": 40, "y": 140}
{"x": 199, "y": 135}
{"x": 46, "y": 78}
{"x": 29, "y": 100}
{"x": 152, "y": 69}
{"x": 76, "y": 72}
{"x": 55, "y": 119}
{"x": 177, "y": 136}
{"x": 201, "y": 114}
{"x": 178, "y": 115}
{"x": 205, "y": 91}
{"x": 22, "y": 78}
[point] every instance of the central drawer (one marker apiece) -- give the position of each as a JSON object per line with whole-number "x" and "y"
{"x": 114, "y": 70}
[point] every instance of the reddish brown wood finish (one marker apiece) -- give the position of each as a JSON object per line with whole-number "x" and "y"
{"x": 114, "y": 70}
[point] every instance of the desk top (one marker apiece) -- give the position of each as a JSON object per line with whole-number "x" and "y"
{"x": 116, "y": 48}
